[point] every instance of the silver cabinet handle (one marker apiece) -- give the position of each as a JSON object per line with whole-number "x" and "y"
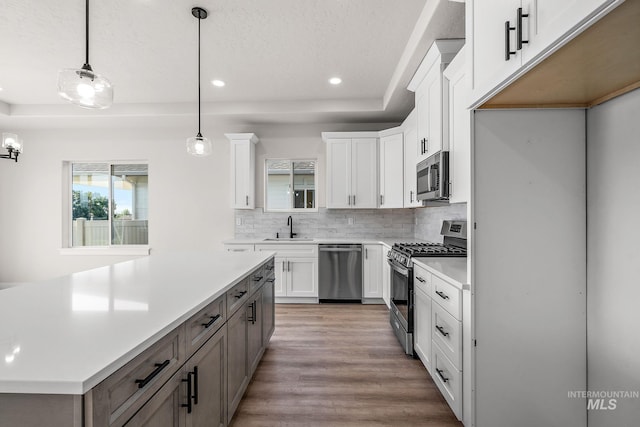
{"x": 247, "y": 200}
{"x": 283, "y": 266}
{"x": 349, "y": 200}
{"x": 288, "y": 265}
{"x": 366, "y": 253}
{"x": 354, "y": 200}
{"x": 410, "y": 196}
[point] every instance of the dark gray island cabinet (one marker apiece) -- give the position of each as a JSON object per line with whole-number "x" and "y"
{"x": 193, "y": 375}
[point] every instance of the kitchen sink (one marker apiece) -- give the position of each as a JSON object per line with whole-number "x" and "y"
{"x": 288, "y": 239}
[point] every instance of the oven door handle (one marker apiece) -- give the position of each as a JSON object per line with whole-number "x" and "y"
{"x": 402, "y": 270}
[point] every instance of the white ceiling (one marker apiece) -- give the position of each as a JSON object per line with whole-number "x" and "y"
{"x": 275, "y": 57}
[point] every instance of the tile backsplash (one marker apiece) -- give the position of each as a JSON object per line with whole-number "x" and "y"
{"x": 421, "y": 223}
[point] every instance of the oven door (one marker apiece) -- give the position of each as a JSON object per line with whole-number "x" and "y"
{"x": 402, "y": 294}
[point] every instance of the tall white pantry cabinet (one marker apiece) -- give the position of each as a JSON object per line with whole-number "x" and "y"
{"x": 529, "y": 231}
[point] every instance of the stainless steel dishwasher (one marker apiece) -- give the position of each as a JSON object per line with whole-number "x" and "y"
{"x": 340, "y": 273}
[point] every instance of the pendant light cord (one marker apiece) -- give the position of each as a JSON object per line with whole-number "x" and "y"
{"x": 199, "y": 114}
{"x": 86, "y": 47}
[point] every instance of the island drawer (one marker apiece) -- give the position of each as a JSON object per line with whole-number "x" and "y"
{"x": 204, "y": 324}
{"x": 237, "y": 296}
{"x": 116, "y": 399}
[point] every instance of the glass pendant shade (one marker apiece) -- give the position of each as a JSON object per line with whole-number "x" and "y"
{"x": 85, "y": 88}
{"x": 10, "y": 141}
{"x": 199, "y": 146}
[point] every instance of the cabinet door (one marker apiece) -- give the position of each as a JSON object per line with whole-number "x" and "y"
{"x": 339, "y": 173}
{"x": 242, "y": 174}
{"x": 459, "y": 133}
{"x": 302, "y": 277}
{"x": 549, "y": 20}
{"x": 207, "y": 367}
{"x": 372, "y": 271}
{"x": 254, "y": 333}
{"x": 489, "y": 65}
{"x": 433, "y": 82}
{"x": 268, "y": 312}
{"x": 422, "y": 327}
{"x": 422, "y": 121}
{"x": 391, "y": 171}
{"x": 410, "y": 161}
{"x": 280, "y": 284}
{"x": 164, "y": 409}
{"x": 386, "y": 278}
{"x": 237, "y": 366}
{"x": 364, "y": 172}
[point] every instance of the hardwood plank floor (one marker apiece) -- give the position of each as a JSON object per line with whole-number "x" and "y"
{"x": 339, "y": 365}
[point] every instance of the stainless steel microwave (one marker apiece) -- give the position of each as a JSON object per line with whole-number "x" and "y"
{"x": 433, "y": 177}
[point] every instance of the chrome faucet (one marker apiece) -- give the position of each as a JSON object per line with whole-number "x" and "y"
{"x": 290, "y": 224}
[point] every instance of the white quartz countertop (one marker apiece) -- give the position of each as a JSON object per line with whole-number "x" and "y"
{"x": 65, "y": 335}
{"x": 448, "y": 268}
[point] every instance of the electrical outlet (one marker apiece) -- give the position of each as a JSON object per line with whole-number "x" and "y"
{"x": 238, "y": 221}
{"x": 350, "y": 220}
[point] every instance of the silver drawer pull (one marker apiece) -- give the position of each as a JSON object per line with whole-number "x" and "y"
{"x": 239, "y": 295}
{"x": 420, "y": 279}
{"x": 442, "y": 295}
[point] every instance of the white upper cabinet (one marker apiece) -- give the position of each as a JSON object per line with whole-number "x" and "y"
{"x": 410, "y": 161}
{"x": 492, "y": 39}
{"x": 458, "y": 76}
{"x": 352, "y": 169}
{"x": 431, "y": 96}
{"x": 511, "y": 35}
{"x": 391, "y": 170}
{"x": 549, "y": 20}
{"x": 243, "y": 166}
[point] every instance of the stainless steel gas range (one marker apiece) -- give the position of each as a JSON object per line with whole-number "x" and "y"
{"x": 400, "y": 259}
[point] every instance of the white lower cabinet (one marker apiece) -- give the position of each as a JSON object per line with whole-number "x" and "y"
{"x": 422, "y": 316}
{"x": 296, "y": 272}
{"x": 437, "y": 333}
{"x": 386, "y": 277}
{"x": 372, "y": 272}
{"x": 448, "y": 378}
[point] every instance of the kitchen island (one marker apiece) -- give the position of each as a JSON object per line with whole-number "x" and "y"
{"x": 71, "y": 343}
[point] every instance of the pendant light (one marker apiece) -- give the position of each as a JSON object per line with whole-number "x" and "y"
{"x": 83, "y": 87}
{"x": 199, "y": 145}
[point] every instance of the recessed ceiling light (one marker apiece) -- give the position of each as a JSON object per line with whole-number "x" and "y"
{"x": 335, "y": 80}
{"x": 217, "y": 83}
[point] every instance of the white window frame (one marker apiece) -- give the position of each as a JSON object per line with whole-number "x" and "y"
{"x": 67, "y": 247}
{"x": 315, "y": 183}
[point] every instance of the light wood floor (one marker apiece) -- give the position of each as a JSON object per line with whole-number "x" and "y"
{"x": 339, "y": 365}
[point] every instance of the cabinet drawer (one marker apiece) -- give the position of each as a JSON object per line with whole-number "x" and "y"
{"x": 447, "y": 333}
{"x": 238, "y": 248}
{"x": 448, "y": 379}
{"x": 117, "y": 398}
{"x": 237, "y": 296}
{"x": 205, "y": 323}
{"x": 447, "y": 295}
{"x": 422, "y": 279}
{"x": 290, "y": 251}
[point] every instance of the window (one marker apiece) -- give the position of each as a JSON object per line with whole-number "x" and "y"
{"x": 108, "y": 204}
{"x": 290, "y": 185}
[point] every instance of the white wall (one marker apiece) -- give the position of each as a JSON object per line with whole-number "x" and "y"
{"x": 188, "y": 196}
{"x": 613, "y": 253}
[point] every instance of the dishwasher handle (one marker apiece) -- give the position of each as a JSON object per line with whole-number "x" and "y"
{"x": 340, "y": 249}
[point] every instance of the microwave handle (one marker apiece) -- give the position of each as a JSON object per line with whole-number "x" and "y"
{"x": 429, "y": 178}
